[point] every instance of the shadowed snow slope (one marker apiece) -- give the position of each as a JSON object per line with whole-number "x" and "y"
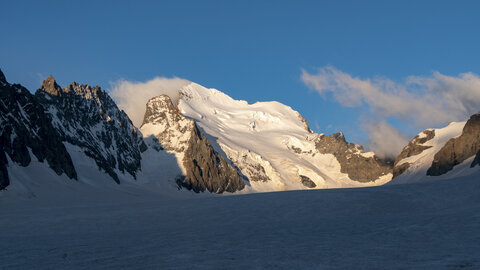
{"x": 434, "y": 225}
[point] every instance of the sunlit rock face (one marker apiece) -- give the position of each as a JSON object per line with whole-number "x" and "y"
{"x": 360, "y": 166}
{"x": 458, "y": 149}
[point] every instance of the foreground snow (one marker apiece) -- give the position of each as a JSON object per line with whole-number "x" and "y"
{"x": 434, "y": 225}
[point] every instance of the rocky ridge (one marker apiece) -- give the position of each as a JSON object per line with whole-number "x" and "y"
{"x": 360, "y": 166}
{"x": 25, "y": 128}
{"x": 87, "y": 117}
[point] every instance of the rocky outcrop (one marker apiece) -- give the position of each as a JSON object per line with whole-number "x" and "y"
{"x": 458, "y": 149}
{"x": 26, "y": 127}
{"x": 415, "y": 146}
{"x": 87, "y": 117}
{"x": 306, "y": 181}
{"x": 358, "y": 165}
{"x": 205, "y": 168}
{"x": 3, "y": 80}
{"x": 50, "y": 86}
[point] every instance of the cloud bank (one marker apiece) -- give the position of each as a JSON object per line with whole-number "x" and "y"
{"x": 385, "y": 140}
{"x": 132, "y": 97}
{"x": 420, "y": 102}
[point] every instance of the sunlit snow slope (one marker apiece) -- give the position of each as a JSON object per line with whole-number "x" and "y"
{"x": 419, "y": 163}
{"x": 269, "y": 142}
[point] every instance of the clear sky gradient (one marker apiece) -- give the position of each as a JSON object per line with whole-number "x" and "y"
{"x": 251, "y": 50}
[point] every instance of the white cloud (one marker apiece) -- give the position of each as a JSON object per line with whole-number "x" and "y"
{"x": 418, "y": 102}
{"x": 433, "y": 100}
{"x": 385, "y": 140}
{"x": 132, "y": 97}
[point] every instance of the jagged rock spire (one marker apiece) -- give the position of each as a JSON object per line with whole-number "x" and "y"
{"x": 3, "y": 80}
{"x": 50, "y": 86}
{"x": 2, "y": 77}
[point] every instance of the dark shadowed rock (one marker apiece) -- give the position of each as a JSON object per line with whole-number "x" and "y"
{"x": 3, "y": 80}
{"x": 458, "y": 149}
{"x": 306, "y": 181}
{"x": 4, "y": 179}
{"x": 476, "y": 160}
{"x": 353, "y": 162}
{"x": 414, "y": 147}
{"x": 205, "y": 168}
{"x": 25, "y": 125}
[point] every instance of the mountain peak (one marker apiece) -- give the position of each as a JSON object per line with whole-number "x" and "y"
{"x": 2, "y": 77}
{"x": 50, "y": 86}
{"x": 161, "y": 107}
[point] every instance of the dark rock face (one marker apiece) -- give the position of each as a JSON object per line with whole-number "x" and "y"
{"x": 476, "y": 160}
{"x": 306, "y": 181}
{"x": 457, "y": 150}
{"x": 24, "y": 124}
{"x": 87, "y": 117}
{"x": 414, "y": 147}
{"x": 358, "y": 167}
{"x": 4, "y": 179}
{"x": 205, "y": 168}
{"x": 3, "y": 80}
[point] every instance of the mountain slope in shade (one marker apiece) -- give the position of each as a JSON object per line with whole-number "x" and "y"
{"x": 81, "y": 134}
{"x": 87, "y": 117}
{"x": 272, "y": 146}
{"x": 26, "y": 133}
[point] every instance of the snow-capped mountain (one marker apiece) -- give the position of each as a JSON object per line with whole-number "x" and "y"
{"x": 269, "y": 143}
{"x": 443, "y": 153}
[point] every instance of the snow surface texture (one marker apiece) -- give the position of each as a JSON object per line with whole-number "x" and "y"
{"x": 420, "y": 163}
{"x": 269, "y": 135}
{"x": 433, "y": 225}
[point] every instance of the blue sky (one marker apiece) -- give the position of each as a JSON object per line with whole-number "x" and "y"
{"x": 251, "y": 50}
